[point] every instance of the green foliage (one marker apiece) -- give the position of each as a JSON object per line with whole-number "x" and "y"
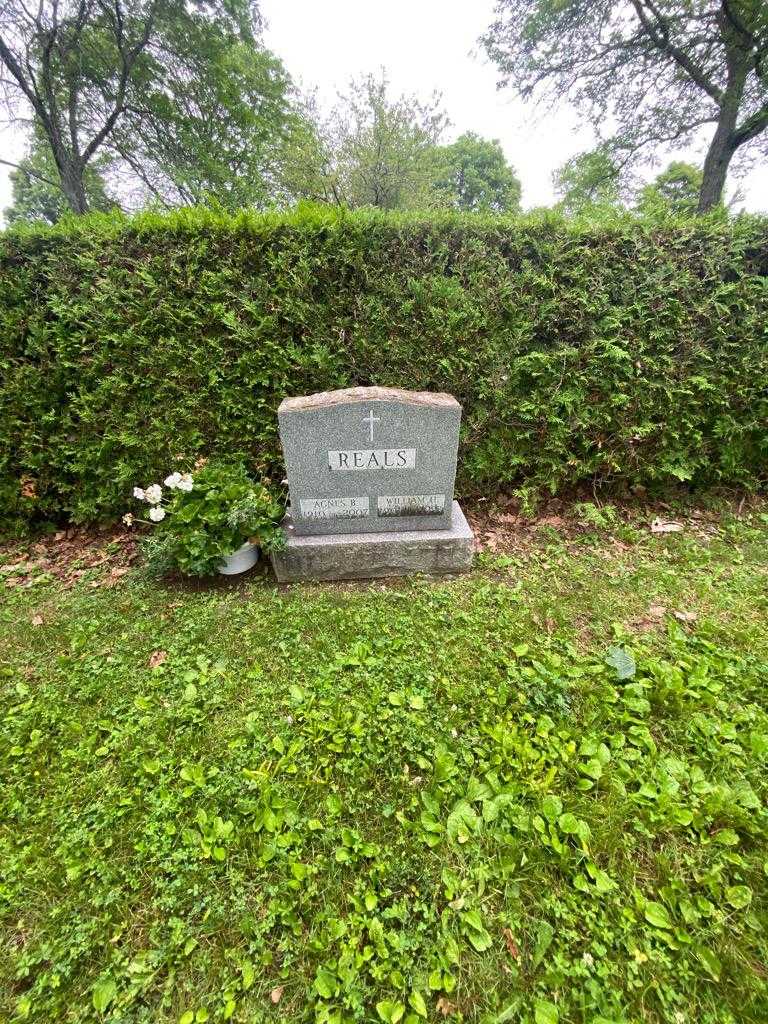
{"x": 373, "y": 149}
{"x": 675, "y": 192}
{"x": 355, "y": 801}
{"x": 588, "y": 183}
{"x": 473, "y": 175}
{"x": 150, "y": 84}
{"x": 649, "y": 72}
{"x": 209, "y": 514}
{"x": 629, "y": 352}
{"x": 215, "y": 128}
{"x": 36, "y": 191}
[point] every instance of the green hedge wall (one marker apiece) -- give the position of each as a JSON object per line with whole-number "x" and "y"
{"x": 625, "y": 352}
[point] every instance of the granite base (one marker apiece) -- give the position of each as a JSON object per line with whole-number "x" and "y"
{"x": 360, "y": 556}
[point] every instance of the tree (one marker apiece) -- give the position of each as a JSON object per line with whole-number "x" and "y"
{"x": 308, "y": 168}
{"x": 473, "y": 175}
{"x": 83, "y": 65}
{"x": 218, "y": 133}
{"x": 588, "y": 183}
{"x": 675, "y": 191}
{"x": 36, "y": 188}
{"x": 659, "y": 69}
{"x": 373, "y": 150}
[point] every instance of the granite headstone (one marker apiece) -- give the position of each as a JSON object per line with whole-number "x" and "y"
{"x": 363, "y": 460}
{"x": 370, "y": 476}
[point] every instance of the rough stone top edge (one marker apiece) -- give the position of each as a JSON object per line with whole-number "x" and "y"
{"x": 345, "y": 396}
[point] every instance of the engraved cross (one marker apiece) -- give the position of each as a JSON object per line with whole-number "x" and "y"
{"x": 370, "y": 419}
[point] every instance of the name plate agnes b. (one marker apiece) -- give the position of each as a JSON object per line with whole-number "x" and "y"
{"x": 334, "y": 508}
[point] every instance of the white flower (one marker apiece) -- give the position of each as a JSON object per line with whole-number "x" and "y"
{"x": 172, "y": 481}
{"x": 138, "y": 492}
{"x": 185, "y": 482}
{"x": 157, "y": 513}
{"x": 153, "y": 494}
{"x": 128, "y": 518}
{"x": 588, "y": 959}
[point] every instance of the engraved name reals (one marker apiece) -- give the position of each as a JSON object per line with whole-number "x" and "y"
{"x": 373, "y": 458}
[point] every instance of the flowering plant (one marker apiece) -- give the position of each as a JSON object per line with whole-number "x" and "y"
{"x": 206, "y": 515}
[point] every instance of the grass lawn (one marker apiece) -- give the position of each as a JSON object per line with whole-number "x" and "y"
{"x": 534, "y": 794}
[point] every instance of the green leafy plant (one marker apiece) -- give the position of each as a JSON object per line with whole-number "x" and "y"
{"x": 203, "y": 516}
{"x": 590, "y": 514}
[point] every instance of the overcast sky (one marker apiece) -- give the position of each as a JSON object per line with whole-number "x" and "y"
{"x": 425, "y": 45}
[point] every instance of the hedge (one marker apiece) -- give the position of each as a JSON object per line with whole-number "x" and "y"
{"x": 627, "y": 352}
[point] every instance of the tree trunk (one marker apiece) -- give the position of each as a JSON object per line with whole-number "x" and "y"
{"x": 724, "y": 142}
{"x": 716, "y": 164}
{"x": 70, "y": 168}
{"x": 73, "y": 188}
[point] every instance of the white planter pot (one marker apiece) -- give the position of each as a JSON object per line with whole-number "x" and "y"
{"x": 240, "y": 561}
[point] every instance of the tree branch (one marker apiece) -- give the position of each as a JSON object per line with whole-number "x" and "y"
{"x": 128, "y": 59}
{"x": 32, "y": 174}
{"x": 752, "y": 127}
{"x": 658, "y": 33}
{"x": 9, "y": 59}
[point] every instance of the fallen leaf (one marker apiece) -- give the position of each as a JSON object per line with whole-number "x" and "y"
{"x": 276, "y": 994}
{"x": 650, "y": 620}
{"x": 509, "y": 938}
{"x": 686, "y": 616}
{"x": 37, "y": 620}
{"x": 550, "y": 521}
{"x": 665, "y": 526}
{"x": 117, "y": 571}
{"x": 157, "y": 658}
{"x": 445, "y": 1007}
{"x": 507, "y": 518}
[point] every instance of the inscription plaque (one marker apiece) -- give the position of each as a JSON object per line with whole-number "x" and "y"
{"x": 410, "y": 504}
{"x": 373, "y": 458}
{"x": 334, "y": 508}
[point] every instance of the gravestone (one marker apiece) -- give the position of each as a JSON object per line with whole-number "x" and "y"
{"x": 370, "y": 476}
